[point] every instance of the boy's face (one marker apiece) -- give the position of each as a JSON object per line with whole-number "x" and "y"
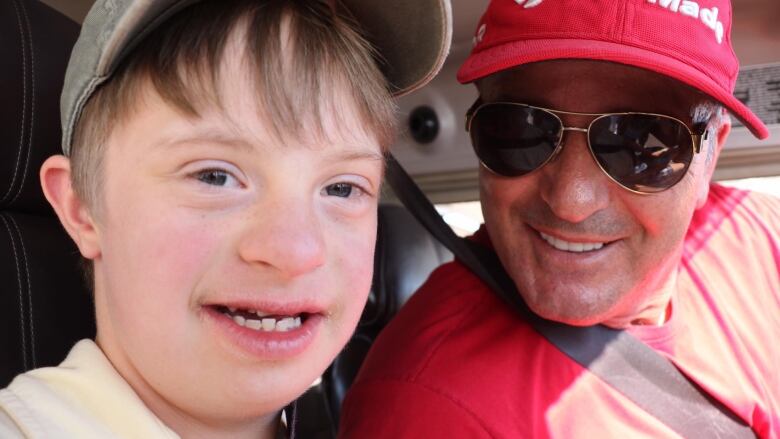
{"x": 204, "y": 223}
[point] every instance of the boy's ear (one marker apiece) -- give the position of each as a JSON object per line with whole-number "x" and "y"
{"x": 72, "y": 211}
{"x": 712, "y": 148}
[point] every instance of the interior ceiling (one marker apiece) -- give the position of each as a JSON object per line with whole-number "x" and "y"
{"x": 756, "y": 33}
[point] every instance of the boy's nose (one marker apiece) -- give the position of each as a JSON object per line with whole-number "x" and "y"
{"x": 285, "y": 238}
{"x": 573, "y": 184}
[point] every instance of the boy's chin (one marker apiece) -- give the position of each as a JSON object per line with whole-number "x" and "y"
{"x": 261, "y": 392}
{"x": 259, "y": 383}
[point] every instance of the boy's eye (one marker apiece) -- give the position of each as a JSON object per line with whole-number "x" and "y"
{"x": 216, "y": 177}
{"x": 343, "y": 190}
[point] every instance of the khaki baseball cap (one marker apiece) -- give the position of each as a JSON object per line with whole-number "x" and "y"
{"x": 411, "y": 36}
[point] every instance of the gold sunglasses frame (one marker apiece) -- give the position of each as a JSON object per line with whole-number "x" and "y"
{"x": 696, "y": 138}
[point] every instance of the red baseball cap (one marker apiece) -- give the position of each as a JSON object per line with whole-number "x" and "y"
{"x": 684, "y": 39}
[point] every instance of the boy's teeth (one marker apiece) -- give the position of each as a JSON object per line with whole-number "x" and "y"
{"x": 254, "y": 324}
{"x": 576, "y": 247}
{"x": 269, "y": 324}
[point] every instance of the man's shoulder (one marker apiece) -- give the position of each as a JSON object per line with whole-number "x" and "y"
{"x": 764, "y": 207}
{"x": 433, "y": 321}
{"x": 733, "y": 215}
{"x": 746, "y": 199}
{"x": 453, "y": 330}
{"x": 458, "y": 362}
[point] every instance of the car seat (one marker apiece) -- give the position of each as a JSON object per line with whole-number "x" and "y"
{"x": 45, "y": 306}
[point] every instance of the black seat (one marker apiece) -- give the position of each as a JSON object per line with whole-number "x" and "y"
{"x": 45, "y": 306}
{"x": 405, "y": 255}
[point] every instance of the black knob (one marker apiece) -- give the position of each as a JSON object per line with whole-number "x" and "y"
{"x": 424, "y": 124}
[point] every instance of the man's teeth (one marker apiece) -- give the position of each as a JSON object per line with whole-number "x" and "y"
{"x": 268, "y": 324}
{"x": 576, "y": 247}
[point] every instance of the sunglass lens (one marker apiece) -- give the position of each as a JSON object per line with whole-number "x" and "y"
{"x": 642, "y": 152}
{"x": 513, "y": 140}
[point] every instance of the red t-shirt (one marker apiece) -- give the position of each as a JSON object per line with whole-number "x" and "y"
{"x": 457, "y": 362}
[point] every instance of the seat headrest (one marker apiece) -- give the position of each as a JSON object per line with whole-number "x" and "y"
{"x": 36, "y": 43}
{"x": 405, "y": 255}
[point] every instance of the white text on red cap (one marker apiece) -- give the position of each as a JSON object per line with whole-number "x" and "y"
{"x": 528, "y": 3}
{"x": 708, "y": 16}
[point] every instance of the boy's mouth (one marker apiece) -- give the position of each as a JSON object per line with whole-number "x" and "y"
{"x": 261, "y": 321}
{"x": 279, "y": 330}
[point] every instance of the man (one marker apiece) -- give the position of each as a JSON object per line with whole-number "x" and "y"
{"x": 598, "y": 126}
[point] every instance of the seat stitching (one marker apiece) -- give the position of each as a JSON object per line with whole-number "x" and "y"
{"x": 32, "y": 111}
{"x": 29, "y": 292}
{"x": 24, "y": 102}
{"x": 21, "y": 298}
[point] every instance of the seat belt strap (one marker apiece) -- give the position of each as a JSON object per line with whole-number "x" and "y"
{"x": 644, "y": 376}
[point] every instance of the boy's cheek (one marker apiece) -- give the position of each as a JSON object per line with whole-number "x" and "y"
{"x": 355, "y": 267}
{"x": 157, "y": 262}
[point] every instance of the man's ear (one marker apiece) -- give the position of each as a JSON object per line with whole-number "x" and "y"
{"x": 712, "y": 148}
{"x": 72, "y": 211}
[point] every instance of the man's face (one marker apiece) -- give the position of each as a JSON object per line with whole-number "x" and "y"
{"x": 572, "y": 200}
{"x": 233, "y": 267}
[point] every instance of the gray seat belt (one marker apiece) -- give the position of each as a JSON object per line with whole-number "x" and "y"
{"x": 642, "y": 375}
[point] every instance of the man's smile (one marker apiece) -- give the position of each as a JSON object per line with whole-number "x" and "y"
{"x": 576, "y": 247}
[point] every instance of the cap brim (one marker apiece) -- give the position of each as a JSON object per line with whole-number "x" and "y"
{"x": 516, "y": 53}
{"x": 412, "y": 37}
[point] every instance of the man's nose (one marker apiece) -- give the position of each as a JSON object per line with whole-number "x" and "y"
{"x": 573, "y": 184}
{"x": 285, "y": 237}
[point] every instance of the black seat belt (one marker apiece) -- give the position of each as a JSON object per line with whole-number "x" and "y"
{"x": 642, "y": 375}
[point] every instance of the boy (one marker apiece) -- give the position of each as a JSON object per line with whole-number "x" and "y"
{"x": 221, "y": 174}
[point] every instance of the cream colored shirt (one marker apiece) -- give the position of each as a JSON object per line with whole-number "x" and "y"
{"x": 84, "y": 398}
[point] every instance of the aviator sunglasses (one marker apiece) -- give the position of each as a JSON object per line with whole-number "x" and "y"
{"x": 642, "y": 152}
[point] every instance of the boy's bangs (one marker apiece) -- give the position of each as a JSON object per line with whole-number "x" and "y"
{"x": 301, "y": 56}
